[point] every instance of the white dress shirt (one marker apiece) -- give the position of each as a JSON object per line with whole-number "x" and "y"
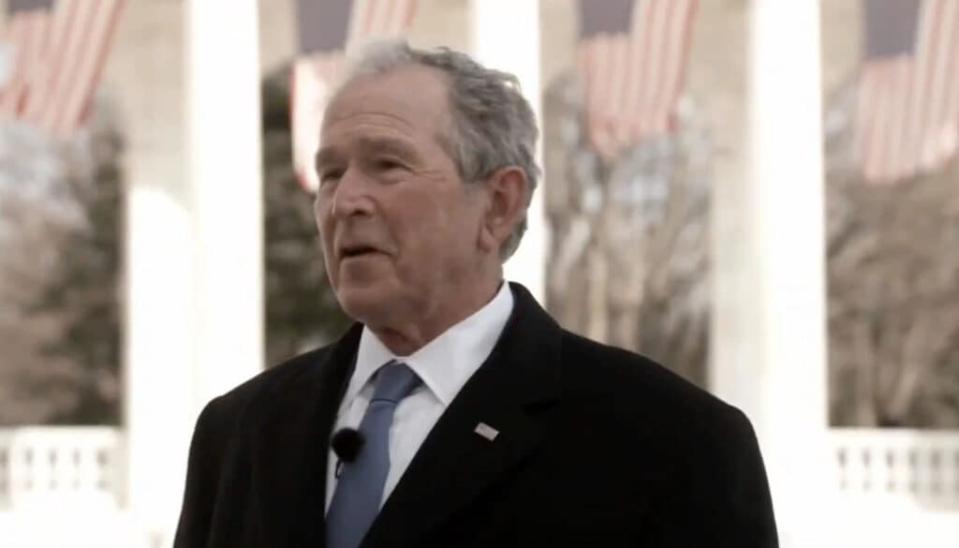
{"x": 444, "y": 365}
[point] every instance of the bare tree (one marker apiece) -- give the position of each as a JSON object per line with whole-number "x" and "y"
{"x": 893, "y": 274}
{"x": 629, "y": 258}
{"x": 301, "y": 309}
{"x": 59, "y": 204}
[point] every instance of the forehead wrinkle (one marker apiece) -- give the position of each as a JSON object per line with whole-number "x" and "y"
{"x": 386, "y": 143}
{"x": 368, "y": 126}
{"x": 360, "y": 118}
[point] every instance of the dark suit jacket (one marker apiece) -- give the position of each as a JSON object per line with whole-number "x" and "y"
{"x": 597, "y": 447}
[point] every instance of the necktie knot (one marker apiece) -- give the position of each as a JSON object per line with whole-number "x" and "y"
{"x": 394, "y": 381}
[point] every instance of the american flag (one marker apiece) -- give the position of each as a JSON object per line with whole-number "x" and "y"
{"x": 58, "y": 48}
{"x": 327, "y": 29}
{"x": 632, "y": 58}
{"x": 907, "y": 119}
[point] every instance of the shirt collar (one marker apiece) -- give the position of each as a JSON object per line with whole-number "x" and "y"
{"x": 448, "y": 361}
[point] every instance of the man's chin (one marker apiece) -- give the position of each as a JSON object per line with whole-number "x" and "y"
{"x": 363, "y": 304}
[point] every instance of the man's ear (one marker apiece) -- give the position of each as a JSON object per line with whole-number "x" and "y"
{"x": 507, "y": 198}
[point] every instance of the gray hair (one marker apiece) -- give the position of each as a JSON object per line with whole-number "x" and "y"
{"x": 493, "y": 124}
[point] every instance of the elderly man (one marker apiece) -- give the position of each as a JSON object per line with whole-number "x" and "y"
{"x": 456, "y": 412}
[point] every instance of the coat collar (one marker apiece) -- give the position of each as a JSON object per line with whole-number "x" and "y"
{"x": 456, "y": 464}
{"x": 294, "y": 419}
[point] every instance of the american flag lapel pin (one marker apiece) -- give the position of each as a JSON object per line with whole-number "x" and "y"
{"x": 486, "y": 431}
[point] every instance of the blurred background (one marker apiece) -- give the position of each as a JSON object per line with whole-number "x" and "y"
{"x": 762, "y": 195}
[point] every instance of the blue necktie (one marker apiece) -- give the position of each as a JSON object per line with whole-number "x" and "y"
{"x": 359, "y": 490}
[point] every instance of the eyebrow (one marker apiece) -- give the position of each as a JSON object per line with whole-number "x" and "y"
{"x": 387, "y": 145}
{"x": 325, "y": 156}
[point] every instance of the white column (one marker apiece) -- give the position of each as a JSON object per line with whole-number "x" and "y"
{"x": 769, "y": 337}
{"x": 505, "y": 36}
{"x": 159, "y": 348}
{"x": 224, "y": 152}
{"x": 194, "y": 318}
{"x": 159, "y": 273}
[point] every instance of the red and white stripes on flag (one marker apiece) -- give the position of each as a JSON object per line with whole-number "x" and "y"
{"x": 632, "y": 57}
{"x": 907, "y": 119}
{"x": 329, "y": 28}
{"x": 58, "y": 51}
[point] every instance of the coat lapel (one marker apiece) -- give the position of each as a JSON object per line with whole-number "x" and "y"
{"x": 290, "y": 446}
{"x": 456, "y": 464}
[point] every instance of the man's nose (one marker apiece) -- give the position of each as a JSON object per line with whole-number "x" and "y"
{"x": 351, "y": 196}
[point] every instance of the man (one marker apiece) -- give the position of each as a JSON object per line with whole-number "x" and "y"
{"x": 456, "y": 412}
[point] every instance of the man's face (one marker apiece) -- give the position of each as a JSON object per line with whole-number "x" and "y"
{"x": 398, "y": 225}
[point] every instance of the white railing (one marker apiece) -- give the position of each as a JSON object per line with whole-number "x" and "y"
{"x": 916, "y": 466}
{"x": 42, "y": 467}
{"x": 901, "y": 488}
{"x": 83, "y": 464}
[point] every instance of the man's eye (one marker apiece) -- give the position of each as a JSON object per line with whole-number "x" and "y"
{"x": 386, "y": 164}
{"x": 330, "y": 175}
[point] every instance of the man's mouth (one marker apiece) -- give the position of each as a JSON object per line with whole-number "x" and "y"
{"x": 357, "y": 251}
